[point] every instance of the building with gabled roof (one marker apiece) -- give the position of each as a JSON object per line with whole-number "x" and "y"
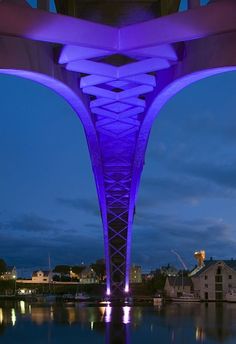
{"x": 9, "y": 274}
{"x": 176, "y": 286}
{"x": 88, "y": 276}
{"x": 42, "y": 276}
{"x": 214, "y": 279}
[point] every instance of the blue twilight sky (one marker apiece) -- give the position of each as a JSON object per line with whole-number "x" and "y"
{"x": 48, "y": 201}
{"x": 47, "y": 194}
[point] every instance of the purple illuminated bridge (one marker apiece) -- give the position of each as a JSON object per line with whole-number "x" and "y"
{"x": 117, "y": 78}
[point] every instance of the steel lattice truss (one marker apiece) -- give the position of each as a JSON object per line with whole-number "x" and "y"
{"x": 118, "y": 71}
{"x": 117, "y": 86}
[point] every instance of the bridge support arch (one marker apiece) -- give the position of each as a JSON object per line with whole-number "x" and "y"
{"x": 117, "y": 87}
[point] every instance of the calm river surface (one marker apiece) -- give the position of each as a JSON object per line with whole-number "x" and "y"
{"x": 22, "y": 322}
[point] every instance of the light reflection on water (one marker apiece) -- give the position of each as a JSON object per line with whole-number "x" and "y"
{"x": 61, "y": 323}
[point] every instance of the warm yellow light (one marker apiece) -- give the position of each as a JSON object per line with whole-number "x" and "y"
{"x": 22, "y": 307}
{"x": 1, "y": 316}
{"x": 200, "y": 335}
{"x": 13, "y": 316}
{"x": 102, "y": 310}
{"x": 200, "y": 257}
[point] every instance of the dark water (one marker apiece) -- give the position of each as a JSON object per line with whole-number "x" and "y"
{"x": 22, "y": 322}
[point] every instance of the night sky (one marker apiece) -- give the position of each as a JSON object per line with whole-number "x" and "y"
{"x": 48, "y": 202}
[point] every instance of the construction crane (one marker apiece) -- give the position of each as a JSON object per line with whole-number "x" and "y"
{"x": 180, "y": 259}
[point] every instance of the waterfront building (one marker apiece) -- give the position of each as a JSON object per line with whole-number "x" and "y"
{"x": 176, "y": 286}
{"x": 136, "y": 274}
{"x": 74, "y": 275}
{"x": 42, "y": 276}
{"x": 9, "y": 274}
{"x": 88, "y": 276}
{"x": 214, "y": 279}
{"x": 148, "y": 276}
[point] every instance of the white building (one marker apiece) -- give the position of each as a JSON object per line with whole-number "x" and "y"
{"x": 9, "y": 274}
{"x": 136, "y": 274}
{"x": 214, "y": 279}
{"x": 88, "y": 276}
{"x": 41, "y": 276}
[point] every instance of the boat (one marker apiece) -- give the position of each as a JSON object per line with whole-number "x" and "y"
{"x": 185, "y": 298}
{"x": 68, "y": 297}
{"x": 45, "y": 298}
{"x": 50, "y": 298}
{"x": 82, "y": 297}
{"x": 231, "y": 295}
{"x": 128, "y": 301}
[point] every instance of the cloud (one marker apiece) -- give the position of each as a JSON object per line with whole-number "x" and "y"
{"x": 186, "y": 188}
{"x": 27, "y": 240}
{"x": 27, "y": 252}
{"x": 163, "y": 189}
{"x": 86, "y": 205}
{"x": 34, "y": 223}
{"x": 155, "y": 235}
{"x": 224, "y": 175}
{"x": 93, "y": 225}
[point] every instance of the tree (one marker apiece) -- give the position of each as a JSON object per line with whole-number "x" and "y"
{"x": 77, "y": 269}
{"x": 62, "y": 269}
{"x": 3, "y": 266}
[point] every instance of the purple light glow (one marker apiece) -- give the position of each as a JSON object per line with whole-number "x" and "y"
{"x": 126, "y": 315}
{"x": 120, "y": 131}
{"x": 127, "y": 288}
{"x": 108, "y": 311}
{"x": 118, "y": 119}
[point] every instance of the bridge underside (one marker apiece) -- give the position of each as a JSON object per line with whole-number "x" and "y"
{"x": 124, "y": 80}
{"x": 117, "y": 100}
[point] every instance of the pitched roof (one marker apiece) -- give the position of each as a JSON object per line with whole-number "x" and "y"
{"x": 208, "y": 263}
{"x": 10, "y": 268}
{"x": 178, "y": 281}
{"x": 45, "y": 273}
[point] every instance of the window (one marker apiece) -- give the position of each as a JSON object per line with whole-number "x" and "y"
{"x": 230, "y": 286}
{"x": 218, "y": 279}
{"x": 230, "y": 276}
{"x": 219, "y": 270}
{"x": 206, "y": 277}
{"x": 219, "y": 287}
{"x": 219, "y": 296}
{"x": 206, "y": 285}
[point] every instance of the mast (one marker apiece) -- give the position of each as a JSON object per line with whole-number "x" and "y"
{"x": 184, "y": 266}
